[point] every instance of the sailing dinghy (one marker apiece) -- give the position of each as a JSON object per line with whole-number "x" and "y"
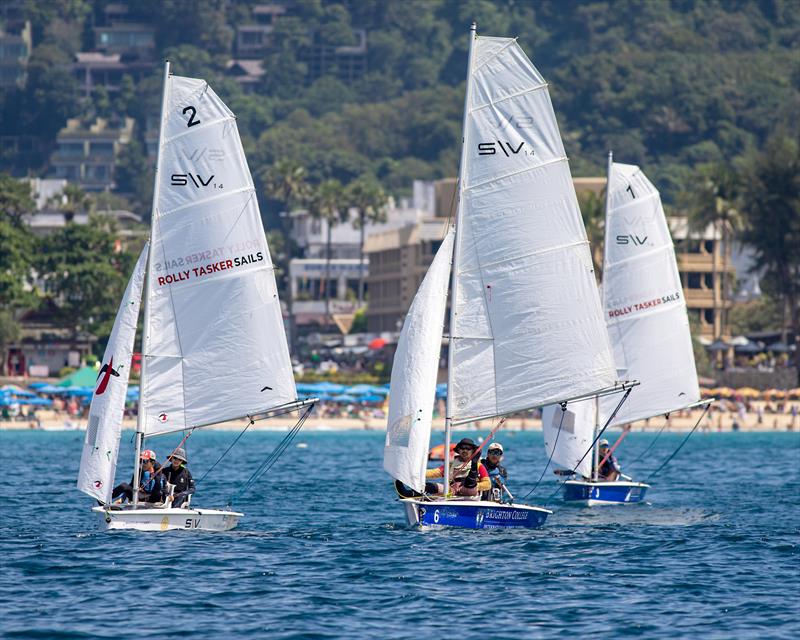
{"x": 526, "y": 325}
{"x": 647, "y": 321}
{"x": 213, "y": 342}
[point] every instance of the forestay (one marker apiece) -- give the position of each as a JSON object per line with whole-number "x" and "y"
{"x": 215, "y": 344}
{"x": 569, "y": 447}
{"x": 413, "y": 383}
{"x": 528, "y": 327}
{"x": 101, "y": 445}
{"x": 644, "y": 304}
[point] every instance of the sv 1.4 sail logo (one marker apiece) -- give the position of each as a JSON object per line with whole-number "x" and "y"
{"x": 188, "y": 179}
{"x": 504, "y": 147}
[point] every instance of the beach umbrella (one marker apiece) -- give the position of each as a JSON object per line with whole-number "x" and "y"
{"x": 724, "y": 392}
{"x": 774, "y": 393}
{"x": 748, "y": 392}
{"x": 330, "y": 387}
{"x": 781, "y": 347}
{"x": 345, "y": 398}
{"x": 718, "y": 345}
{"x": 371, "y": 398}
{"x": 19, "y": 392}
{"x": 705, "y": 392}
{"x": 441, "y": 390}
{"x": 42, "y": 402}
{"x": 38, "y": 385}
{"x": 49, "y": 389}
{"x": 794, "y": 393}
{"x": 750, "y": 347}
{"x": 85, "y": 377}
{"x": 377, "y": 343}
{"x": 359, "y": 389}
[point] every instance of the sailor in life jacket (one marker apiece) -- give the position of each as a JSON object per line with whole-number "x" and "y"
{"x": 468, "y": 477}
{"x": 497, "y": 472}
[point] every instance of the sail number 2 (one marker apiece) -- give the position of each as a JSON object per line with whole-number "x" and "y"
{"x": 192, "y": 120}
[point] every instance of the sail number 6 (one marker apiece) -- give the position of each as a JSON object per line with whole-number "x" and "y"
{"x": 192, "y": 120}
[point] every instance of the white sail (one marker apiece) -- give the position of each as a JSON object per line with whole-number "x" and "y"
{"x": 575, "y": 437}
{"x": 215, "y": 342}
{"x": 528, "y": 325}
{"x": 413, "y": 384}
{"x": 644, "y": 304}
{"x": 101, "y": 445}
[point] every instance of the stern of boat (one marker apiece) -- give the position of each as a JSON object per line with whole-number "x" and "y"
{"x": 592, "y": 494}
{"x": 472, "y": 514}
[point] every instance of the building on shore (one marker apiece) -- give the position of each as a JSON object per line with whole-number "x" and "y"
{"x": 87, "y": 153}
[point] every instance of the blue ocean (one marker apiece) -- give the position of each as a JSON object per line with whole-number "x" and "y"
{"x": 323, "y": 551}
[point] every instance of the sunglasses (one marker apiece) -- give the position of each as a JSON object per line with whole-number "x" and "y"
{"x": 495, "y": 452}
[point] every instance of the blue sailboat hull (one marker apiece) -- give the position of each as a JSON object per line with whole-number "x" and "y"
{"x": 592, "y": 494}
{"x": 473, "y": 514}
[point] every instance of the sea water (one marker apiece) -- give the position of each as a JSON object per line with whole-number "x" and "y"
{"x": 324, "y": 551}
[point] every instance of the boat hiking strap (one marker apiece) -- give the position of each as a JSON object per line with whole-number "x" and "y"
{"x": 625, "y": 432}
{"x": 563, "y": 406}
{"x": 250, "y": 423}
{"x": 273, "y": 457}
{"x": 158, "y": 473}
{"x": 650, "y": 446}
{"x": 674, "y": 453}
{"x": 591, "y": 446}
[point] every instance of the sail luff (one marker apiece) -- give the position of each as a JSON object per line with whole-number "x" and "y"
{"x": 606, "y": 238}
{"x": 448, "y": 423}
{"x": 141, "y": 409}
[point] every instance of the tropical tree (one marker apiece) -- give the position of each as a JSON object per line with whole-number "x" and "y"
{"x": 18, "y": 244}
{"x": 325, "y": 204}
{"x": 713, "y": 200}
{"x": 72, "y": 200}
{"x": 771, "y": 207}
{"x": 367, "y": 197}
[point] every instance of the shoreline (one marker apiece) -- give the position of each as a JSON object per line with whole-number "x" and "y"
{"x": 715, "y": 422}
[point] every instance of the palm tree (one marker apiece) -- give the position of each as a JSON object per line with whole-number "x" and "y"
{"x": 285, "y": 181}
{"x": 713, "y": 201}
{"x": 368, "y": 198}
{"x": 325, "y": 203}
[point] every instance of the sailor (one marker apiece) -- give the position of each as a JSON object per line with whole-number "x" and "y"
{"x": 468, "y": 477}
{"x": 148, "y": 468}
{"x": 179, "y": 476}
{"x": 497, "y": 472}
{"x": 610, "y": 469}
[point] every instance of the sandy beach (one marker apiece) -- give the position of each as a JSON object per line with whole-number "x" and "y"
{"x": 719, "y": 420}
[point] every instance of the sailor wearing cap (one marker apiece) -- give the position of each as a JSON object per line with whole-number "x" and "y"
{"x": 468, "y": 477}
{"x": 610, "y": 469}
{"x": 179, "y": 476}
{"x": 148, "y": 482}
{"x": 497, "y": 472}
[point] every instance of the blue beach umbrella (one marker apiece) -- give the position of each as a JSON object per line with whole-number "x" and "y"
{"x": 345, "y": 398}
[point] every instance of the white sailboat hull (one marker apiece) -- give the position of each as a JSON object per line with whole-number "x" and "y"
{"x": 167, "y": 519}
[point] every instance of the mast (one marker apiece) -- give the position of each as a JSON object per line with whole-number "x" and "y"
{"x": 146, "y": 327}
{"x": 595, "y": 447}
{"x": 448, "y": 423}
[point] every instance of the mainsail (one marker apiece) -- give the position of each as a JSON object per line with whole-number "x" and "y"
{"x": 413, "y": 383}
{"x": 643, "y": 300}
{"x": 569, "y": 434}
{"x": 527, "y": 326}
{"x": 215, "y": 347}
{"x": 101, "y": 445}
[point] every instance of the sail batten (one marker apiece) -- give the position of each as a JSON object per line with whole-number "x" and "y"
{"x": 515, "y": 95}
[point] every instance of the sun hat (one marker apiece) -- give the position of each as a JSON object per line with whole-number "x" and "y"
{"x": 495, "y": 446}
{"x": 466, "y": 442}
{"x": 179, "y": 454}
{"x": 603, "y": 443}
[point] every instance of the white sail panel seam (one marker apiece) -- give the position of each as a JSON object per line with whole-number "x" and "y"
{"x": 516, "y": 173}
{"x": 196, "y": 129}
{"x": 638, "y": 200}
{"x": 527, "y": 255}
{"x": 497, "y": 53}
{"x": 508, "y": 97}
{"x": 195, "y": 203}
{"x": 644, "y": 254}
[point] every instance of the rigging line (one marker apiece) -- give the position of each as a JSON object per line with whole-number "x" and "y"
{"x": 650, "y": 446}
{"x": 272, "y": 458}
{"x": 241, "y": 433}
{"x": 591, "y": 446}
{"x": 555, "y": 444}
{"x": 163, "y": 467}
{"x": 685, "y": 440}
